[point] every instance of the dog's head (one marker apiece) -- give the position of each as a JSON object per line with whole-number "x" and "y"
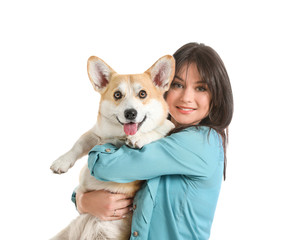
{"x": 132, "y": 102}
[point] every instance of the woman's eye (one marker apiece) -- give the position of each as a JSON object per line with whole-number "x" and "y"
{"x": 142, "y": 94}
{"x": 201, "y": 89}
{"x": 176, "y": 85}
{"x": 118, "y": 95}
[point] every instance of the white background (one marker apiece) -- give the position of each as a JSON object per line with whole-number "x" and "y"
{"x": 47, "y": 101}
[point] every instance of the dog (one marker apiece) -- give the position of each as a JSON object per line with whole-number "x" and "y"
{"x": 132, "y": 111}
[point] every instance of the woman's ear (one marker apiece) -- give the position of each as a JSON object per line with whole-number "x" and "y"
{"x": 162, "y": 72}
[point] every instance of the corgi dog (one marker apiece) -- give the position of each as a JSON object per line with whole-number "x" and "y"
{"x": 132, "y": 111}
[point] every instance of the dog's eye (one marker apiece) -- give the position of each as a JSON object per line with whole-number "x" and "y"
{"x": 142, "y": 94}
{"x": 118, "y": 95}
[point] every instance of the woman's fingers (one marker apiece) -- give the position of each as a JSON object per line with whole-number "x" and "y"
{"x": 121, "y": 212}
{"x": 117, "y": 214}
{"x": 119, "y": 196}
{"x": 120, "y": 206}
{"x": 118, "y": 201}
{"x": 124, "y": 203}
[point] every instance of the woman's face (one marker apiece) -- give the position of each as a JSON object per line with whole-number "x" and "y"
{"x": 188, "y": 97}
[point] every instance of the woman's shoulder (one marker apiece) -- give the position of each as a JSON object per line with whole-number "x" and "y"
{"x": 198, "y": 134}
{"x": 199, "y": 129}
{"x": 203, "y": 131}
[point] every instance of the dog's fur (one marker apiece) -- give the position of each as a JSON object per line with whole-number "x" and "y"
{"x": 132, "y": 111}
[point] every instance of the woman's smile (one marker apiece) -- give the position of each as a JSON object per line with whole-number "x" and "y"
{"x": 185, "y": 110}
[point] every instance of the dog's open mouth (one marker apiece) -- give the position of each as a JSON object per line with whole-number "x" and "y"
{"x": 131, "y": 128}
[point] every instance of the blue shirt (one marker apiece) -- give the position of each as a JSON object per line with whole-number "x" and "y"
{"x": 184, "y": 174}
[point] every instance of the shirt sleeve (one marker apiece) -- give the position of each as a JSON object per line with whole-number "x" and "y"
{"x": 195, "y": 152}
{"x": 73, "y": 197}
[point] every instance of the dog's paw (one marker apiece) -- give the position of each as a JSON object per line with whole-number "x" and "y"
{"x": 62, "y": 164}
{"x": 134, "y": 142}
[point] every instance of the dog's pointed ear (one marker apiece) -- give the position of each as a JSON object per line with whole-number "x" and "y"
{"x": 99, "y": 73}
{"x": 162, "y": 72}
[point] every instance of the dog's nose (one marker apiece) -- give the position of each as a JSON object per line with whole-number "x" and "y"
{"x": 131, "y": 114}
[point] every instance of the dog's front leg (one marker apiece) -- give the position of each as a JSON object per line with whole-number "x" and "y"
{"x": 84, "y": 144}
{"x": 165, "y": 128}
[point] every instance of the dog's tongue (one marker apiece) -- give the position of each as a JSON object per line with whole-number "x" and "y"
{"x": 130, "y": 128}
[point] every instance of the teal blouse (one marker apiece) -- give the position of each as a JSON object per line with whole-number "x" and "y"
{"x": 184, "y": 174}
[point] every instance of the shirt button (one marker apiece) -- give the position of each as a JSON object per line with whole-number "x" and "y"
{"x": 108, "y": 150}
{"x": 135, "y": 233}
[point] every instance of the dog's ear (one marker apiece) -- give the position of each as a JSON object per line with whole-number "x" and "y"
{"x": 99, "y": 73}
{"x": 162, "y": 72}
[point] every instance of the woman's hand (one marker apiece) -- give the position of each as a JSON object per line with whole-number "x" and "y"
{"x": 105, "y": 205}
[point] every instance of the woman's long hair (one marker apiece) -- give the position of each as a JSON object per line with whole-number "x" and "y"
{"x": 212, "y": 71}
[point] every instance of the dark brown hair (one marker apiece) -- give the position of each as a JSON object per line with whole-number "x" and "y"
{"x": 212, "y": 71}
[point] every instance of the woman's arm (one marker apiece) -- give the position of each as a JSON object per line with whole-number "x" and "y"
{"x": 195, "y": 152}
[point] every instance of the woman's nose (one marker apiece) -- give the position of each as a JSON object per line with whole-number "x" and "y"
{"x": 187, "y": 96}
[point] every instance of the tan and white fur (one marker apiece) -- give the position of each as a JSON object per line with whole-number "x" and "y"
{"x": 132, "y": 111}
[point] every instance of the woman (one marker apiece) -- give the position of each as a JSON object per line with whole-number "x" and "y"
{"x": 183, "y": 170}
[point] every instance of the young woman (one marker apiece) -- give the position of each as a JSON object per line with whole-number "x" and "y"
{"x": 183, "y": 170}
